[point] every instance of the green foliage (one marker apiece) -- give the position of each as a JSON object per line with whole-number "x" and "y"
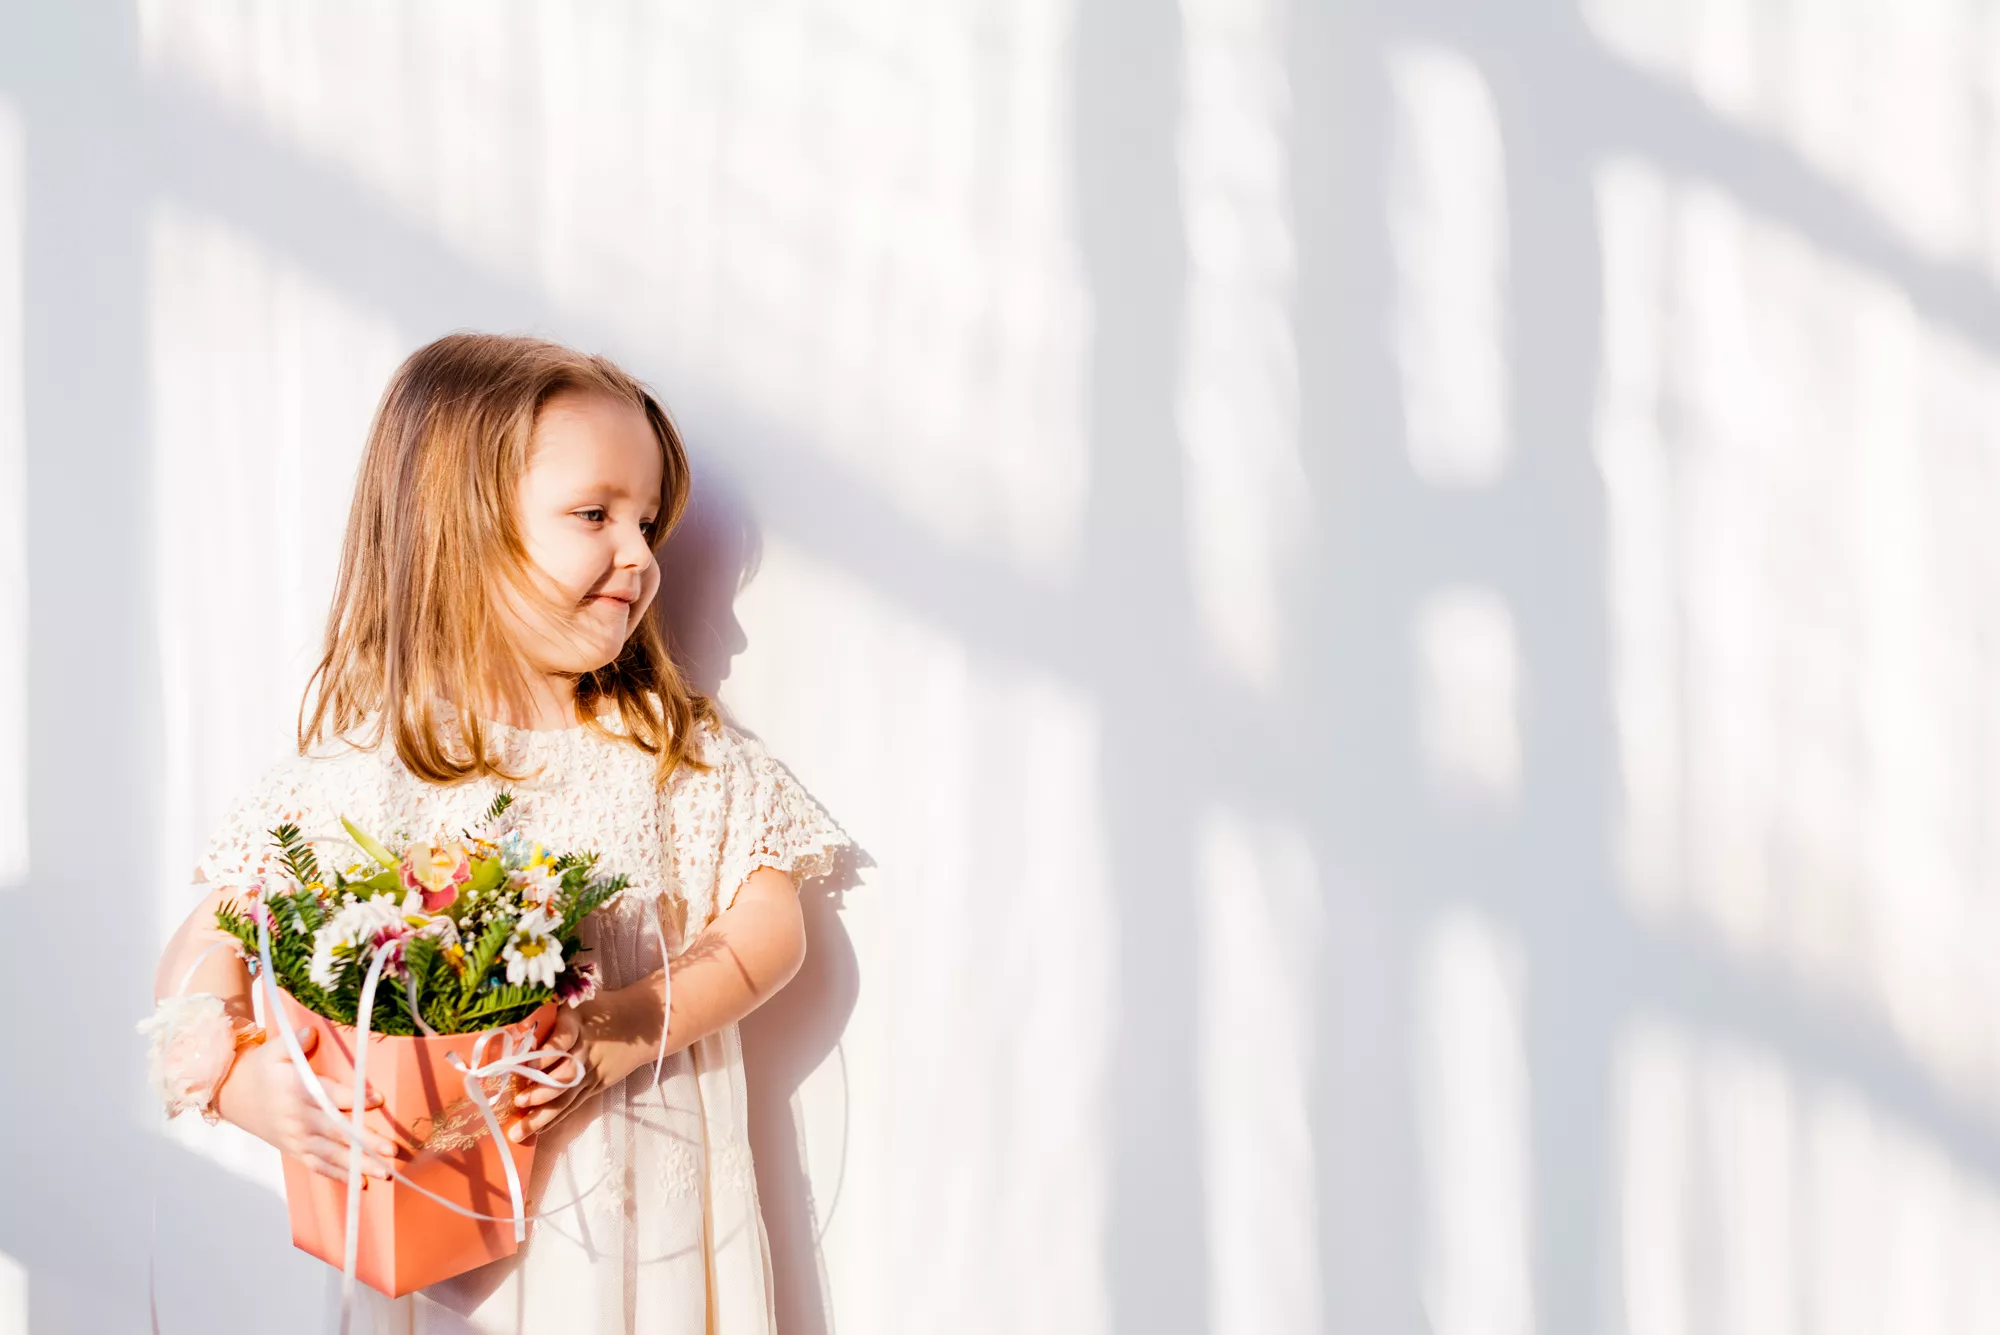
{"x": 297, "y": 854}
{"x": 497, "y": 809}
{"x": 586, "y": 899}
{"x": 291, "y": 951}
{"x": 487, "y": 873}
{"x": 479, "y": 960}
{"x": 502, "y": 1003}
{"x": 367, "y": 843}
{"x": 459, "y": 975}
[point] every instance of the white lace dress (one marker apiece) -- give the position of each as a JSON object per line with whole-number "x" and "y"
{"x": 651, "y": 1217}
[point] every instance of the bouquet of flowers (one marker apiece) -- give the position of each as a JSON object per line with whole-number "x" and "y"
{"x": 477, "y": 938}
{"x": 478, "y": 932}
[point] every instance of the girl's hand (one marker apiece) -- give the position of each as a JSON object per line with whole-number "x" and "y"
{"x": 748, "y": 952}
{"x": 597, "y": 1038}
{"x": 262, "y": 1095}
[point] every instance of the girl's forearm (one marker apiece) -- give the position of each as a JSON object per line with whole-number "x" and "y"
{"x": 747, "y": 954}
{"x": 203, "y": 958}
{"x": 220, "y": 971}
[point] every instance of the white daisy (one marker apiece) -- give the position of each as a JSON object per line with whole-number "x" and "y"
{"x": 361, "y": 920}
{"x": 537, "y": 884}
{"x": 532, "y": 953}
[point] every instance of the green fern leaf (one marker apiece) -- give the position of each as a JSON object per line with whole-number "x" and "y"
{"x": 479, "y": 960}
{"x": 298, "y": 854}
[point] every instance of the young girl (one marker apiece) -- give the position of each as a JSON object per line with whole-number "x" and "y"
{"x": 489, "y": 631}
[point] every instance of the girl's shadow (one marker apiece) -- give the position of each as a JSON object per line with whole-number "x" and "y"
{"x": 711, "y": 557}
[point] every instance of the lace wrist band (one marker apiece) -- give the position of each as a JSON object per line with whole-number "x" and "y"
{"x": 194, "y": 1045}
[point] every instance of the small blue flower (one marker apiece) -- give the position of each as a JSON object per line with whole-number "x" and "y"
{"x": 516, "y": 850}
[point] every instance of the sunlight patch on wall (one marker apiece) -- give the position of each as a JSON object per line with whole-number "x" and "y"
{"x": 1469, "y": 695}
{"x": 261, "y": 383}
{"x": 1752, "y": 1201}
{"x": 227, "y": 1146}
{"x": 1447, "y": 217}
{"x": 1656, "y": 1181}
{"x": 13, "y": 1296}
{"x": 14, "y": 630}
{"x": 977, "y": 1057}
{"x": 1804, "y": 598}
{"x": 856, "y": 222}
{"x": 1260, "y": 940}
{"x": 1472, "y": 1095}
{"x": 1897, "y": 104}
{"x": 1236, "y": 405}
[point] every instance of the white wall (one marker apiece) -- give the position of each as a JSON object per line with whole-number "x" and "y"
{"x": 1400, "y": 597}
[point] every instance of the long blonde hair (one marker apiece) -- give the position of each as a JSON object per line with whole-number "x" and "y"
{"x": 431, "y": 529}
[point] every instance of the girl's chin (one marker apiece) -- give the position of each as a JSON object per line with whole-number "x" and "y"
{"x": 601, "y": 652}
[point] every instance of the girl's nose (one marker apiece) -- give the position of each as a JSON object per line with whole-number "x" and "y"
{"x": 633, "y": 546}
{"x": 633, "y": 549}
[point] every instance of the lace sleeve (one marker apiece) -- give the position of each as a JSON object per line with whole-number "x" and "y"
{"x": 769, "y": 821}
{"x": 241, "y": 850}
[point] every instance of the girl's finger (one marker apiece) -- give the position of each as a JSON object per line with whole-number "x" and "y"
{"x": 336, "y": 1152}
{"x": 330, "y": 1148}
{"x": 342, "y": 1094}
{"x": 334, "y": 1132}
{"x": 533, "y": 1123}
{"x": 329, "y": 1128}
{"x": 547, "y": 1115}
{"x": 338, "y": 1158}
{"x": 555, "y": 1049}
{"x": 565, "y": 1068}
{"x": 323, "y": 1168}
{"x": 533, "y": 1095}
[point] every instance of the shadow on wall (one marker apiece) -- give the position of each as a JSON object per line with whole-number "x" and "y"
{"x": 711, "y": 557}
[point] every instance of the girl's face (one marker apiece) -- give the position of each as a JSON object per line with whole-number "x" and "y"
{"x": 588, "y": 507}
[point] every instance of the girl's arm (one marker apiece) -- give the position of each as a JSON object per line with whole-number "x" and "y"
{"x": 751, "y": 950}
{"x": 220, "y": 972}
{"x": 260, "y": 1092}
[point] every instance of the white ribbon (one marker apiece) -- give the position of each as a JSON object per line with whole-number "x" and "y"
{"x": 416, "y": 1013}
{"x": 355, "y": 1147}
{"x": 666, "y": 990}
{"x": 516, "y": 1050}
{"x": 188, "y": 977}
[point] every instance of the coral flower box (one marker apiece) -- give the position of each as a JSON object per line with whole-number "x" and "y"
{"x": 407, "y": 1240}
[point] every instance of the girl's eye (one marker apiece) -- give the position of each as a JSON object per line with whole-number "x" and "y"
{"x": 596, "y": 515}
